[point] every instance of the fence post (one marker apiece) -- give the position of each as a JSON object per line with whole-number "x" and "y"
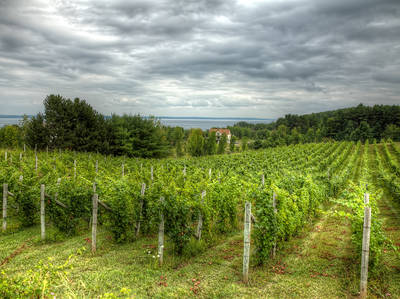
{"x": 42, "y": 213}
{"x": 209, "y": 173}
{"x": 123, "y": 169}
{"x": 5, "y": 156}
{"x": 36, "y": 162}
{"x": 140, "y": 209}
{"x": 5, "y": 194}
{"x": 365, "y": 247}
{"x": 151, "y": 172}
{"x": 161, "y": 235}
{"x": 275, "y": 212}
{"x": 200, "y": 223}
{"x": 262, "y": 180}
{"x": 246, "y": 248}
{"x": 97, "y": 166}
{"x": 94, "y": 221}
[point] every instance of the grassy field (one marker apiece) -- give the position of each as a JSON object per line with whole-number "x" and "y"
{"x": 318, "y": 263}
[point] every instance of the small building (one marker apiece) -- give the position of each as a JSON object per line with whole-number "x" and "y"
{"x": 219, "y": 132}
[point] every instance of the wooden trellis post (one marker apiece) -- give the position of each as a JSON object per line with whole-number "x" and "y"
{"x": 161, "y": 235}
{"x": 200, "y": 222}
{"x": 5, "y": 195}
{"x": 140, "y": 209}
{"x": 94, "y": 221}
{"x": 262, "y": 180}
{"x": 246, "y": 246}
{"x": 42, "y": 213}
{"x": 365, "y": 247}
{"x": 275, "y": 212}
{"x": 151, "y": 172}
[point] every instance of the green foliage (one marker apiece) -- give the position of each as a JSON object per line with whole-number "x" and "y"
{"x": 37, "y": 283}
{"x": 244, "y": 144}
{"x": 123, "y": 198}
{"x": 211, "y": 144}
{"x": 136, "y": 136}
{"x": 232, "y": 144}
{"x": 356, "y": 123}
{"x": 353, "y": 199}
{"x": 392, "y": 132}
{"x": 11, "y": 136}
{"x": 37, "y": 134}
{"x": 297, "y": 198}
{"x": 179, "y": 134}
{"x": 222, "y": 144}
{"x": 195, "y": 143}
{"x": 77, "y": 196}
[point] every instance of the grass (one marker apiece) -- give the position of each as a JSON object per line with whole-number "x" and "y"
{"x": 315, "y": 264}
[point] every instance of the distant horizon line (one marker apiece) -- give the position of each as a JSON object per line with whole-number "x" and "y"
{"x": 161, "y": 117}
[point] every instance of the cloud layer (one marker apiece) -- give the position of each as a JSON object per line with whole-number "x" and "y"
{"x": 201, "y": 58}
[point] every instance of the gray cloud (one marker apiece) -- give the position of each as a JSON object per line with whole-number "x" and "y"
{"x": 261, "y": 58}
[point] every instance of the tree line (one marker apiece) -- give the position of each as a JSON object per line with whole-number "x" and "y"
{"x": 352, "y": 124}
{"x": 74, "y": 125}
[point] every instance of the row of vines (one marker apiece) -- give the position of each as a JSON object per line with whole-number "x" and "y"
{"x": 300, "y": 176}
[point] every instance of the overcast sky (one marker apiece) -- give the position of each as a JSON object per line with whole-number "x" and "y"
{"x": 258, "y": 58}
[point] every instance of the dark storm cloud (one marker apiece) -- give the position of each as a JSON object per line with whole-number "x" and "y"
{"x": 239, "y": 58}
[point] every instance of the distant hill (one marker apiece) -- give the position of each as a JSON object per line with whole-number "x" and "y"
{"x": 355, "y": 123}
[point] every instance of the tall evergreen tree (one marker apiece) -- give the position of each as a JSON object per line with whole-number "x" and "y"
{"x": 195, "y": 142}
{"x": 211, "y": 144}
{"x": 222, "y": 144}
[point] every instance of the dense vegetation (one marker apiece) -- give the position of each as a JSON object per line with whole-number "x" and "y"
{"x": 75, "y": 125}
{"x": 302, "y": 177}
{"x": 351, "y": 124}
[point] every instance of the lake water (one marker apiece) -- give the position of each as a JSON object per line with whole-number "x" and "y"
{"x": 9, "y": 121}
{"x": 186, "y": 123}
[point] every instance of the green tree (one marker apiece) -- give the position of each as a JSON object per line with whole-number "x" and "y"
{"x": 178, "y": 136}
{"x": 70, "y": 124}
{"x": 392, "y": 132}
{"x": 195, "y": 142}
{"x": 245, "y": 140}
{"x": 37, "y": 132}
{"x": 11, "y": 136}
{"x": 136, "y": 136}
{"x": 363, "y": 132}
{"x": 222, "y": 144}
{"x": 211, "y": 144}
{"x": 232, "y": 144}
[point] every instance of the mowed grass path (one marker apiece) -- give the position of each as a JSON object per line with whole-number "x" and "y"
{"x": 315, "y": 264}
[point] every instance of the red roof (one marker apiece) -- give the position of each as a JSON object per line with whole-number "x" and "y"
{"x": 221, "y": 131}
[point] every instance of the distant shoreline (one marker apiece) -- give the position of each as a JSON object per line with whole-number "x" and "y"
{"x": 186, "y": 122}
{"x": 169, "y": 117}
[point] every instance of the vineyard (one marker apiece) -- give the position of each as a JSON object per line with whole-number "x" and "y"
{"x": 87, "y": 225}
